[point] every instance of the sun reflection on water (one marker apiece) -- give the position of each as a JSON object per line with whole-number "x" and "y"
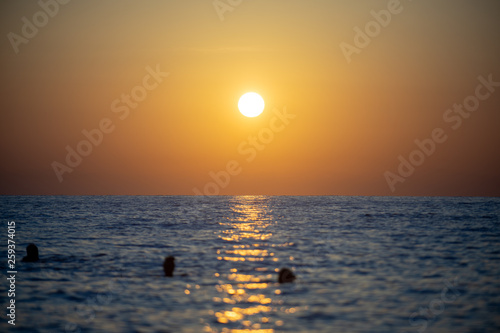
{"x": 246, "y": 292}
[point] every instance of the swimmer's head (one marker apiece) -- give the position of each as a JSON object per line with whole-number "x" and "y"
{"x": 32, "y": 253}
{"x": 286, "y": 276}
{"x": 169, "y": 266}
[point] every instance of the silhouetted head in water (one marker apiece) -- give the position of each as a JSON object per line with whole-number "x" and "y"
{"x": 169, "y": 266}
{"x": 32, "y": 253}
{"x": 285, "y": 276}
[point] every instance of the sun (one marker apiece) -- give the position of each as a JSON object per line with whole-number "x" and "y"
{"x": 251, "y": 104}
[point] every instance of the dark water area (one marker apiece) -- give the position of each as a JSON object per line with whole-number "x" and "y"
{"x": 363, "y": 264}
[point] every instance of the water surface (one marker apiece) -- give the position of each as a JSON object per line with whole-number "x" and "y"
{"x": 363, "y": 264}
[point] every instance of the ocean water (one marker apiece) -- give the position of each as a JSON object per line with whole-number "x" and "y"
{"x": 363, "y": 264}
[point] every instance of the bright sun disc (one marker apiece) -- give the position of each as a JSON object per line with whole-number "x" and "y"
{"x": 251, "y": 104}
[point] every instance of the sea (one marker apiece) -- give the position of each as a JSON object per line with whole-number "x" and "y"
{"x": 362, "y": 264}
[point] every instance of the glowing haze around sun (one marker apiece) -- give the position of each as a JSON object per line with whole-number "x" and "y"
{"x": 251, "y": 104}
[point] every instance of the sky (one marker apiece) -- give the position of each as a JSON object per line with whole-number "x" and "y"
{"x": 365, "y": 97}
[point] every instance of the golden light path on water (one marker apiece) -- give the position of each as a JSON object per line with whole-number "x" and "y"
{"x": 246, "y": 294}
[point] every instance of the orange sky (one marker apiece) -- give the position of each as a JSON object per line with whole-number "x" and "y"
{"x": 356, "y": 102}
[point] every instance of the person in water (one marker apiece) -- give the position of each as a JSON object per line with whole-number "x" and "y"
{"x": 169, "y": 266}
{"x": 32, "y": 253}
{"x": 286, "y": 276}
